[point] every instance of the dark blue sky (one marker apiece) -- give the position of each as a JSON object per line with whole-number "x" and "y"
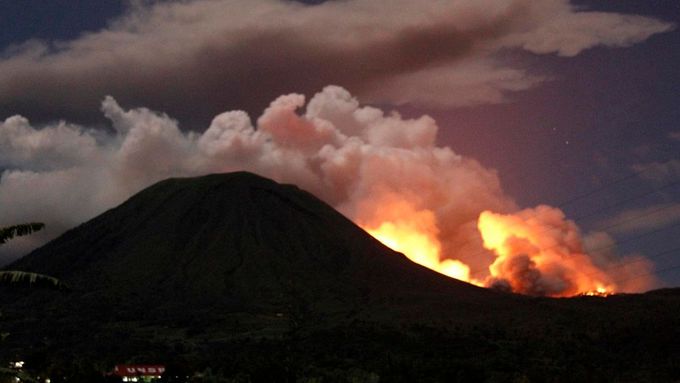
{"x": 614, "y": 107}
{"x": 53, "y": 19}
{"x": 604, "y": 114}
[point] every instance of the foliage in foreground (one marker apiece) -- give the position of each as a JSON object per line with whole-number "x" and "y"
{"x": 9, "y": 232}
{"x": 24, "y": 278}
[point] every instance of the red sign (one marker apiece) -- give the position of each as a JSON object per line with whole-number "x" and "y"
{"x": 137, "y": 370}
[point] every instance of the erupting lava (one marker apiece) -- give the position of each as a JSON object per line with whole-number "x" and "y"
{"x": 414, "y": 233}
{"x": 599, "y": 292}
{"x": 420, "y": 247}
{"x": 537, "y": 251}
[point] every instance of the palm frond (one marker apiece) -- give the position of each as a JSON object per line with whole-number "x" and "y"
{"x": 24, "y": 278}
{"x": 7, "y": 233}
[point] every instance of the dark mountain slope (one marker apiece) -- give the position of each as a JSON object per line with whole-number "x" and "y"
{"x": 244, "y": 275}
{"x": 225, "y": 245}
{"x": 232, "y": 239}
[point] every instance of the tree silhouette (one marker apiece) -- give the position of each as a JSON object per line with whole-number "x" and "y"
{"x": 13, "y": 277}
{"x": 9, "y": 232}
{"x": 23, "y": 278}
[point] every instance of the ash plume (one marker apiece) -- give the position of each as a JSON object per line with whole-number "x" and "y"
{"x": 377, "y": 168}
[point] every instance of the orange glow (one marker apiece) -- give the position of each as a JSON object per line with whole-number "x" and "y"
{"x": 598, "y": 292}
{"x": 539, "y": 252}
{"x": 419, "y": 247}
{"x": 414, "y": 233}
{"x": 535, "y": 251}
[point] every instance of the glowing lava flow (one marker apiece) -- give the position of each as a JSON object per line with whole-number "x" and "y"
{"x": 419, "y": 247}
{"x": 414, "y": 233}
{"x": 598, "y": 292}
{"x": 539, "y": 252}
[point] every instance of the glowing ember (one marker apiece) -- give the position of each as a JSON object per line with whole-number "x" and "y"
{"x": 598, "y": 292}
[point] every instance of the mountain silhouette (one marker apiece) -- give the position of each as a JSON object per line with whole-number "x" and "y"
{"x": 219, "y": 269}
{"x": 236, "y": 240}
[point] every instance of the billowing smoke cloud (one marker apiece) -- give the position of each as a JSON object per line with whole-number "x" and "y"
{"x": 381, "y": 170}
{"x": 240, "y": 54}
{"x": 540, "y": 252}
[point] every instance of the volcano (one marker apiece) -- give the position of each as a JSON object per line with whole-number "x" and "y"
{"x": 235, "y": 241}
{"x": 227, "y": 255}
{"x": 219, "y": 269}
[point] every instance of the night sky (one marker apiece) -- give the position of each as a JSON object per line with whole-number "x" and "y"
{"x": 590, "y": 127}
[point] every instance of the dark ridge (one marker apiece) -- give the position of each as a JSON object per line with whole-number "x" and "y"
{"x": 232, "y": 238}
{"x": 241, "y": 273}
{"x": 237, "y": 245}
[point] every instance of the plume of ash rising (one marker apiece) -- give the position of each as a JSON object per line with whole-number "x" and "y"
{"x": 374, "y": 167}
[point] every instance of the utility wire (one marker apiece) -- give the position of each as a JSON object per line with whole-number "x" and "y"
{"x": 630, "y": 239}
{"x": 640, "y": 259}
{"x": 600, "y": 210}
{"x": 627, "y": 200}
{"x": 592, "y": 143}
{"x": 655, "y": 272}
{"x": 610, "y": 184}
{"x": 636, "y": 218}
{"x": 620, "y": 223}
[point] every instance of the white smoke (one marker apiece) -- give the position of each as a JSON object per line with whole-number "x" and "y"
{"x": 371, "y": 166}
{"x": 351, "y": 156}
{"x": 540, "y": 252}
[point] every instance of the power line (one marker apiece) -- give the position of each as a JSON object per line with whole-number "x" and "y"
{"x": 627, "y": 200}
{"x": 641, "y": 259}
{"x": 618, "y": 203}
{"x": 632, "y": 219}
{"x": 655, "y": 272}
{"x": 607, "y": 185}
{"x": 629, "y": 239}
{"x": 636, "y": 218}
{"x": 610, "y": 184}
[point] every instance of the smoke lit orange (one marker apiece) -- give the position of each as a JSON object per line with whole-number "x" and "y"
{"x": 420, "y": 247}
{"x": 414, "y": 233}
{"x": 539, "y": 252}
